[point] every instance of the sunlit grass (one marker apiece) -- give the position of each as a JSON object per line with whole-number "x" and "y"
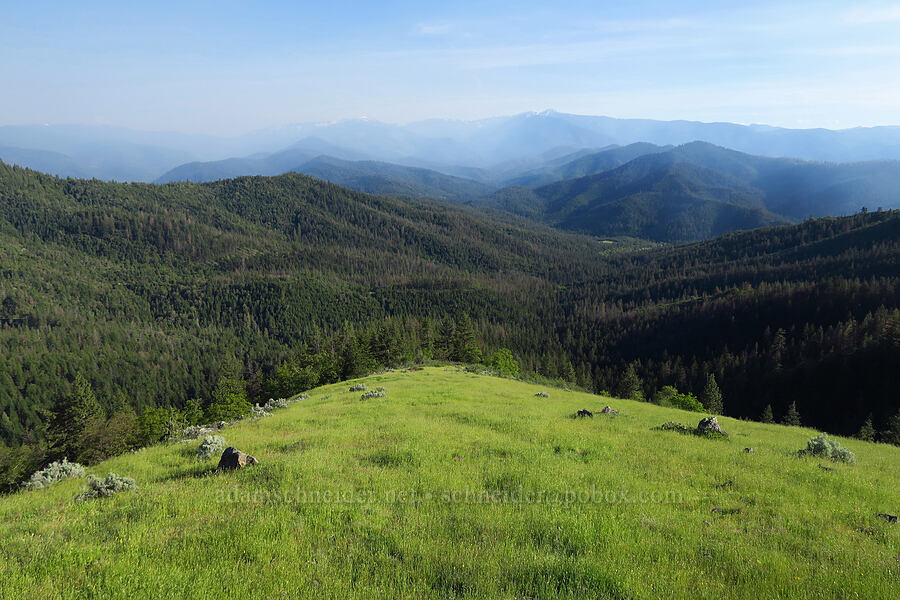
{"x": 461, "y": 485}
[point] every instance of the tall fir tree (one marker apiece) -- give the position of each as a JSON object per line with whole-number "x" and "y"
{"x": 767, "y": 415}
{"x": 867, "y": 431}
{"x": 630, "y": 386}
{"x": 465, "y": 345}
{"x": 891, "y": 435}
{"x": 792, "y": 416}
{"x": 73, "y": 414}
{"x": 711, "y": 396}
{"x": 444, "y": 345}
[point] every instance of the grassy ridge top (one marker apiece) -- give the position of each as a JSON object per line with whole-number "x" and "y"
{"x": 463, "y": 485}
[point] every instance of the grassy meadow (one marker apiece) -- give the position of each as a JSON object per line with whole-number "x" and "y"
{"x": 468, "y": 486}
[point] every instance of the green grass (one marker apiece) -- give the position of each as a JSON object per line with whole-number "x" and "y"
{"x": 673, "y": 516}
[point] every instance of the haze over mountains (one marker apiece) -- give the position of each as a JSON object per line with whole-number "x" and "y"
{"x": 664, "y": 181}
{"x": 520, "y": 142}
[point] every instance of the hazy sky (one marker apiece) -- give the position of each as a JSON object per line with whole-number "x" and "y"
{"x": 228, "y": 67}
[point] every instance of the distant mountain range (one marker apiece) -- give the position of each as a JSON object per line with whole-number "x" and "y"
{"x": 696, "y": 191}
{"x": 372, "y": 177}
{"x": 567, "y": 171}
{"x": 488, "y": 150}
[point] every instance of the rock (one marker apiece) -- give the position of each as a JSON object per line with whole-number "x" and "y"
{"x": 233, "y": 458}
{"x": 609, "y": 410}
{"x": 710, "y": 425}
{"x": 824, "y": 468}
{"x": 584, "y": 413}
{"x": 749, "y": 450}
{"x": 888, "y": 518}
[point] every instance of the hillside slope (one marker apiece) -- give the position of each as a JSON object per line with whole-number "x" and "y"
{"x": 464, "y": 485}
{"x": 143, "y": 288}
{"x": 694, "y": 191}
{"x": 371, "y": 177}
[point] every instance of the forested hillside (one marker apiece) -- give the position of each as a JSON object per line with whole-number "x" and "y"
{"x": 164, "y": 296}
{"x": 368, "y": 176}
{"x": 693, "y": 192}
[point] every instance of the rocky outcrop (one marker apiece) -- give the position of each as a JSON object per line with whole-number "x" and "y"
{"x": 233, "y": 458}
{"x": 710, "y": 425}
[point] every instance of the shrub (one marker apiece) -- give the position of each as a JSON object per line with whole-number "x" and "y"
{"x": 55, "y": 471}
{"x": 669, "y": 396}
{"x": 673, "y": 426}
{"x": 372, "y": 394}
{"x": 212, "y": 445}
{"x": 822, "y": 447}
{"x": 542, "y": 395}
{"x": 358, "y": 387}
{"x": 302, "y": 397}
{"x": 229, "y": 401}
{"x": 274, "y": 404}
{"x": 192, "y": 432}
{"x": 258, "y": 411}
{"x": 103, "y": 488}
{"x": 504, "y": 363}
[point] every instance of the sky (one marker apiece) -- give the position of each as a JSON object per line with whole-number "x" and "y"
{"x": 227, "y": 68}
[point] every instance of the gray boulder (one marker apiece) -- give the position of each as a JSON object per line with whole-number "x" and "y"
{"x": 710, "y": 425}
{"x": 233, "y": 458}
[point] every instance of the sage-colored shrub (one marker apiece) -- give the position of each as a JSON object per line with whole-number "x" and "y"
{"x": 110, "y": 485}
{"x": 372, "y": 394}
{"x": 823, "y": 447}
{"x": 259, "y": 411}
{"x": 55, "y": 471}
{"x": 211, "y": 446}
{"x": 275, "y": 404}
{"x": 358, "y": 387}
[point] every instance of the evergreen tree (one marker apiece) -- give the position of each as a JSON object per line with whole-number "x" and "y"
{"x": 891, "y": 435}
{"x": 767, "y": 415}
{"x": 465, "y": 347}
{"x": 8, "y": 433}
{"x": 630, "y": 386}
{"x": 792, "y": 416}
{"x": 867, "y": 431}
{"x": 356, "y": 360}
{"x": 711, "y": 396}
{"x": 445, "y": 339}
{"x": 118, "y": 403}
{"x": 73, "y": 414}
{"x": 566, "y": 370}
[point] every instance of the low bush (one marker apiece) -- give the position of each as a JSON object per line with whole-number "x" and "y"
{"x": 822, "y": 447}
{"x": 55, "y": 471}
{"x": 673, "y": 426}
{"x": 109, "y": 486}
{"x": 358, "y": 387}
{"x": 670, "y": 396}
{"x": 542, "y": 395}
{"x": 372, "y": 394}
{"x": 275, "y": 403}
{"x": 193, "y": 432}
{"x": 258, "y": 411}
{"x": 211, "y": 446}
